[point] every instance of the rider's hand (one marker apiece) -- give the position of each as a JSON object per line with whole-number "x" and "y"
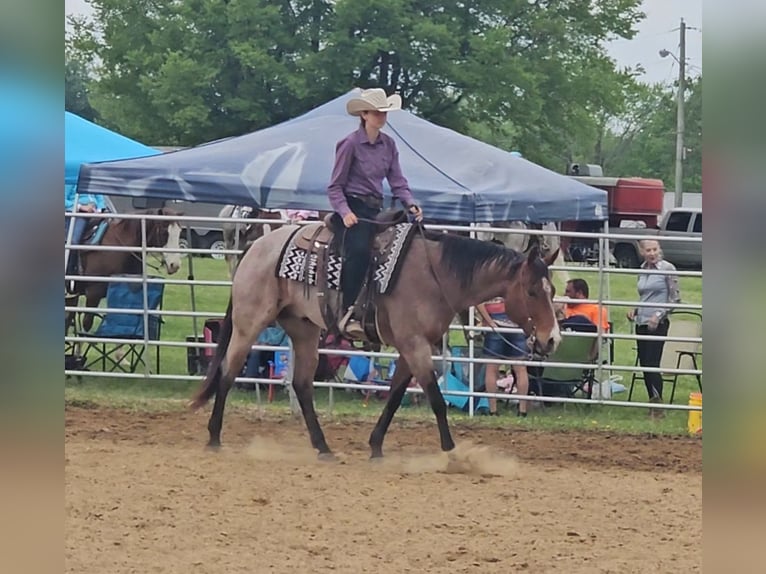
{"x": 349, "y": 220}
{"x": 631, "y": 314}
{"x": 417, "y": 212}
{"x": 87, "y": 208}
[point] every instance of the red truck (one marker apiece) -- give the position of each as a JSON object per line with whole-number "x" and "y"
{"x": 630, "y": 199}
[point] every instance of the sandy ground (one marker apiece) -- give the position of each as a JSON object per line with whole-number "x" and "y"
{"x": 142, "y": 495}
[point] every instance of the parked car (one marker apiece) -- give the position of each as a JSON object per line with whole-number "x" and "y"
{"x": 677, "y": 222}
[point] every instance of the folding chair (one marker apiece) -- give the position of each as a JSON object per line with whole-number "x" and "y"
{"x": 116, "y": 325}
{"x": 566, "y": 381}
{"x": 677, "y": 354}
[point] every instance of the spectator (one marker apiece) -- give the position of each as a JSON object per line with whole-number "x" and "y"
{"x": 578, "y": 289}
{"x": 653, "y": 288}
{"x": 503, "y": 346}
{"x": 86, "y": 203}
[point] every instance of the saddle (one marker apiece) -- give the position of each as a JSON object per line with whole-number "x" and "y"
{"x": 313, "y": 256}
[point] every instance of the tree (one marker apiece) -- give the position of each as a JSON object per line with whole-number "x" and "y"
{"x": 76, "y": 85}
{"x": 527, "y": 72}
{"x": 643, "y": 140}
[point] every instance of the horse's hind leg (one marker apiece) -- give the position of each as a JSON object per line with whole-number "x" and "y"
{"x": 244, "y": 333}
{"x": 305, "y": 339}
{"x": 399, "y": 384}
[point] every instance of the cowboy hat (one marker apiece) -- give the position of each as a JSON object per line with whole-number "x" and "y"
{"x": 373, "y": 100}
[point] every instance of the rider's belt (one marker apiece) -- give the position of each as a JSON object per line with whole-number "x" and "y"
{"x": 371, "y": 201}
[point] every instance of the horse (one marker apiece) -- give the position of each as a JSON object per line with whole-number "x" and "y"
{"x": 122, "y": 233}
{"x": 440, "y": 274}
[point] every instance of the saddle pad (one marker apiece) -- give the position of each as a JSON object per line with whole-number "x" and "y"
{"x": 292, "y": 265}
{"x": 393, "y": 242}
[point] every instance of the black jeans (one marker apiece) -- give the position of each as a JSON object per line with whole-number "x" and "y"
{"x": 650, "y": 355}
{"x": 357, "y": 244}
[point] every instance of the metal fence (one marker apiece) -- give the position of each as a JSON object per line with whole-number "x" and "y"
{"x": 602, "y": 298}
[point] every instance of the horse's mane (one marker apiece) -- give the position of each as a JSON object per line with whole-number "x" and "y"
{"x": 464, "y": 256}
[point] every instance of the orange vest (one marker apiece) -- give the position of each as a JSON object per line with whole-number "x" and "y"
{"x": 589, "y": 310}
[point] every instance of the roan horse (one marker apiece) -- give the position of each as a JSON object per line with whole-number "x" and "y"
{"x": 123, "y": 233}
{"x": 440, "y": 275}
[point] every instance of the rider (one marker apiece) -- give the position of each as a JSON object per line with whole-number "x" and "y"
{"x": 86, "y": 203}
{"x": 362, "y": 159}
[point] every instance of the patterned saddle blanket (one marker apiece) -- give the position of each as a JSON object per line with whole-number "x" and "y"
{"x": 391, "y": 245}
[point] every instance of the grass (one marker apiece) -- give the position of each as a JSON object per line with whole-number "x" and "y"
{"x": 143, "y": 394}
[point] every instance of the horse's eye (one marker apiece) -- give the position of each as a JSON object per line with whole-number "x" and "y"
{"x": 531, "y": 293}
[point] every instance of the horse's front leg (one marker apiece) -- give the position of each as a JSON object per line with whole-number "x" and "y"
{"x": 93, "y": 295}
{"x": 399, "y": 384}
{"x": 305, "y": 339}
{"x": 418, "y": 356}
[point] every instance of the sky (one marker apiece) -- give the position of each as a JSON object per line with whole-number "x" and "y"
{"x": 659, "y": 30}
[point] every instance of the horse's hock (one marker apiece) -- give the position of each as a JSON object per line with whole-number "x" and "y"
{"x": 142, "y": 495}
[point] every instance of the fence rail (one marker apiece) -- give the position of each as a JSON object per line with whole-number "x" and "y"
{"x": 602, "y": 300}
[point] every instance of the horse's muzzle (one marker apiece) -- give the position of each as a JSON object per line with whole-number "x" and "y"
{"x": 547, "y": 347}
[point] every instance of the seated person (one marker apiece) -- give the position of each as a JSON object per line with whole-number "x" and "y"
{"x": 578, "y": 289}
{"x": 86, "y": 203}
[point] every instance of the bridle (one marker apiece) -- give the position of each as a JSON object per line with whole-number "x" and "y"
{"x": 152, "y": 229}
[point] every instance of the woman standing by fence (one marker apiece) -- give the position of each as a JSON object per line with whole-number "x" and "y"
{"x": 653, "y": 288}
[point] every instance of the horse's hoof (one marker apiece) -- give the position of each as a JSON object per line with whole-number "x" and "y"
{"x": 213, "y": 446}
{"x": 376, "y": 458}
{"x": 327, "y": 457}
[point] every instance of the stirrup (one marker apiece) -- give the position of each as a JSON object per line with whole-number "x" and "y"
{"x": 350, "y": 327}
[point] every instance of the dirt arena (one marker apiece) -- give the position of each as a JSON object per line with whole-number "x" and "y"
{"x": 142, "y": 495}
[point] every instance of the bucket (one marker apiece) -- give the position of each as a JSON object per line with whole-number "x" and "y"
{"x": 695, "y": 417}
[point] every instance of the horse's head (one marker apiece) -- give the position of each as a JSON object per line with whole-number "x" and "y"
{"x": 531, "y": 293}
{"x": 165, "y": 234}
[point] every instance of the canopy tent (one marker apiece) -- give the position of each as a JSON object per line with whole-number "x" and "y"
{"x": 86, "y": 142}
{"x": 454, "y": 177}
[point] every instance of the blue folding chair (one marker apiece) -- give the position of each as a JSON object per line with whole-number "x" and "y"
{"x": 116, "y": 325}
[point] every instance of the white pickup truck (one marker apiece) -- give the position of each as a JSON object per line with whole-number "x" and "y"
{"x": 677, "y": 222}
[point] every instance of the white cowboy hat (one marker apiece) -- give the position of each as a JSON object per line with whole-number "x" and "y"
{"x": 373, "y": 99}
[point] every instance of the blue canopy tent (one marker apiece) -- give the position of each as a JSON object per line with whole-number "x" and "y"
{"x": 454, "y": 177}
{"x": 86, "y": 142}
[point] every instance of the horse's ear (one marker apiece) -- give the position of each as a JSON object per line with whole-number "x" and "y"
{"x": 551, "y": 257}
{"x": 534, "y": 253}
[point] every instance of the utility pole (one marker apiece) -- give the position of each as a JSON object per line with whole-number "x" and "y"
{"x": 680, "y": 119}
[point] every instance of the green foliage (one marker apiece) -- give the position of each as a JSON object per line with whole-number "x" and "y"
{"x": 642, "y": 140}
{"x": 525, "y": 75}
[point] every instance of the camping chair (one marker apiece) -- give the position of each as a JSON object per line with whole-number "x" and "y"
{"x": 116, "y": 325}
{"x": 566, "y": 381}
{"x": 677, "y": 354}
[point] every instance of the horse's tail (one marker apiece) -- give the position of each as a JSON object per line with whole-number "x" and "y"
{"x": 210, "y": 385}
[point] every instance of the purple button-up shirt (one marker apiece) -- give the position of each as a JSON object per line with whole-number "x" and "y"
{"x": 360, "y": 167}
